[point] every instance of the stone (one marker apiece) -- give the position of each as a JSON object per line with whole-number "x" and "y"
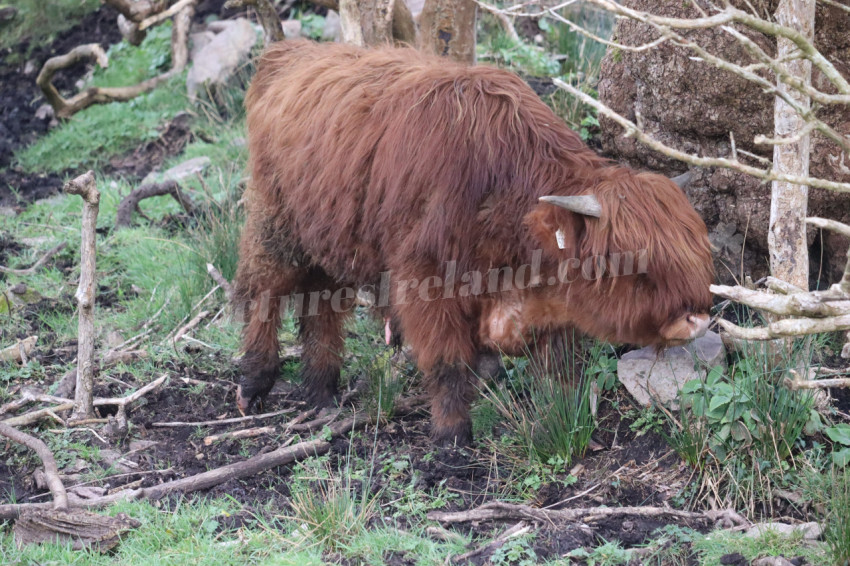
{"x": 291, "y": 28}
{"x": 810, "y": 531}
{"x": 772, "y": 561}
{"x": 658, "y": 378}
{"x": 188, "y": 168}
{"x": 218, "y": 60}
{"x": 332, "y": 30}
{"x": 7, "y": 13}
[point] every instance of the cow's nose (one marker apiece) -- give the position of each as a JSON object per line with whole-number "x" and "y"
{"x": 699, "y": 324}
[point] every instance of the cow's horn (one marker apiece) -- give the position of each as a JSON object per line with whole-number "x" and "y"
{"x": 683, "y": 180}
{"x": 584, "y": 204}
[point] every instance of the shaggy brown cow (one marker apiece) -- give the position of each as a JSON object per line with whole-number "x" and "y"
{"x": 422, "y": 180}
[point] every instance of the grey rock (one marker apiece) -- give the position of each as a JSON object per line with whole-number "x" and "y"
{"x": 332, "y": 30}
{"x": 291, "y": 28}
{"x": 198, "y": 41}
{"x": 7, "y": 13}
{"x": 219, "y": 59}
{"x": 810, "y": 531}
{"x": 651, "y": 377}
{"x": 186, "y": 169}
{"x": 772, "y": 561}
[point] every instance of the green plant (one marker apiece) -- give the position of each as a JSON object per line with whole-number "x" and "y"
{"x": 840, "y": 434}
{"x": 647, "y": 419}
{"x": 749, "y": 408}
{"x": 329, "y": 511}
{"x": 836, "y": 530}
{"x": 602, "y": 367}
{"x": 550, "y": 417}
{"x": 688, "y": 437}
{"x": 516, "y": 551}
{"x": 606, "y": 554}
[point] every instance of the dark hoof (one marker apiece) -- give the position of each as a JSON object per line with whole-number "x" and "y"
{"x": 447, "y": 437}
{"x": 319, "y": 398}
{"x": 319, "y": 387}
{"x": 253, "y": 387}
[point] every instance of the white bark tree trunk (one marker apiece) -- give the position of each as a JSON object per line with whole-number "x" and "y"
{"x": 789, "y": 254}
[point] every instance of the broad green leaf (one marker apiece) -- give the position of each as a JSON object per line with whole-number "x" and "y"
{"x": 839, "y": 433}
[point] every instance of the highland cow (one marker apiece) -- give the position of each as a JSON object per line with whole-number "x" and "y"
{"x": 425, "y": 182}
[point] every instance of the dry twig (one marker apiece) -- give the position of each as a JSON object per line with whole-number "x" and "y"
{"x": 222, "y": 282}
{"x": 41, "y": 261}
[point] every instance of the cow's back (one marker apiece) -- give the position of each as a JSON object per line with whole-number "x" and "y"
{"x": 366, "y": 156}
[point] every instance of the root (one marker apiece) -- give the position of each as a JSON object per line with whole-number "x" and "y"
{"x": 130, "y": 203}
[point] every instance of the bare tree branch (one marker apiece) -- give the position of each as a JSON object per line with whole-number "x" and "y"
{"x": 51, "y": 470}
{"x": 41, "y": 261}
{"x": 632, "y": 130}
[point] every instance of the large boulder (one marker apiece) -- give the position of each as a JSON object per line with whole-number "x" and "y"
{"x": 692, "y": 106}
{"x": 217, "y": 53}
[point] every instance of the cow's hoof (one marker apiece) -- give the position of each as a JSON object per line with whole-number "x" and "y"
{"x": 253, "y": 388}
{"x": 318, "y": 397}
{"x": 458, "y": 435}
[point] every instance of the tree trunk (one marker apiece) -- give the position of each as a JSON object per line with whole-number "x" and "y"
{"x": 366, "y": 22}
{"x": 789, "y": 255}
{"x": 447, "y": 28}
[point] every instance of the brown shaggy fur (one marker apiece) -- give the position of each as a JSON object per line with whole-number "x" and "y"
{"x": 390, "y": 160}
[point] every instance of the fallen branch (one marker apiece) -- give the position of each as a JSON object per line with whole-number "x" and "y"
{"x": 798, "y": 383}
{"x": 498, "y": 511}
{"x": 56, "y": 522}
{"x": 236, "y": 434}
{"x": 67, "y": 404}
{"x": 222, "y": 282}
{"x": 51, "y": 470}
{"x": 85, "y": 187}
{"x": 130, "y": 203}
{"x": 137, "y": 10}
{"x": 41, "y": 261}
{"x": 250, "y": 418}
{"x": 189, "y": 326}
{"x": 787, "y": 328}
{"x": 517, "y": 530}
{"x": 156, "y": 18}
{"x": 17, "y": 352}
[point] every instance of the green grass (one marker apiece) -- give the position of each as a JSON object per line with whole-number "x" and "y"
{"x": 38, "y": 21}
{"x": 550, "y": 418}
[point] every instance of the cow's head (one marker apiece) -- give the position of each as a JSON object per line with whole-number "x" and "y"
{"x": 637, "y": 256}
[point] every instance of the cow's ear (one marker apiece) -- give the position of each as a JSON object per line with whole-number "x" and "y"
{"x": 554, "y": 228}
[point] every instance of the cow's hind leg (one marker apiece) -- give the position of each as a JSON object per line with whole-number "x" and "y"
{"x": 264, "y": 281}
{"x": 325, "y": 309}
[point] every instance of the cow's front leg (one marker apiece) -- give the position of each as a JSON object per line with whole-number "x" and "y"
{"x": 451, "y": 388}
